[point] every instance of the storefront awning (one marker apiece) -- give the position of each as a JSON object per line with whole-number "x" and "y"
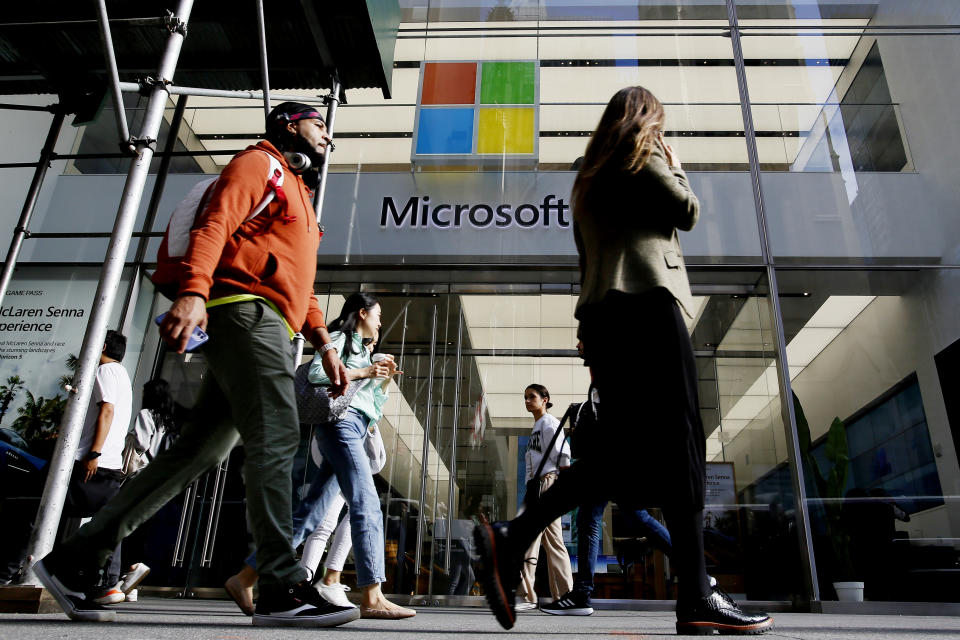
{"x": 56, "y": 47}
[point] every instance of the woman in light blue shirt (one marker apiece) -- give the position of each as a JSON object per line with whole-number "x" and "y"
{"x": 346, "y": 465}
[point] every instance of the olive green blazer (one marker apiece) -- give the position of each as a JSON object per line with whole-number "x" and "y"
{"x": 626, "y": 234}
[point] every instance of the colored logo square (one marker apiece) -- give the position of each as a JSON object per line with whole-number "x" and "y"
{"x": 445, "y": 131}
{"x": 506, "y": 130}
{"x": 508, "y": 83}
{"x": 449, "y": 83}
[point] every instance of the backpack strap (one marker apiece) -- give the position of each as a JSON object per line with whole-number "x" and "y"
{"x": 274, "y": 189}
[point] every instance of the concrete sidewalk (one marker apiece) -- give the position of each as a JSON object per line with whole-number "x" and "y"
{"x": 155, "y": 618}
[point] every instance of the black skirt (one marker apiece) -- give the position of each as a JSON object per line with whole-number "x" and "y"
{"x": 653, "y": 446}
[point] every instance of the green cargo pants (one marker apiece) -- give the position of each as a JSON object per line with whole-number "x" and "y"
{"x": 247, "y": 394}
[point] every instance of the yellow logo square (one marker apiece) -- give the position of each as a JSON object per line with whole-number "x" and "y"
{"x": 506, "y": 130}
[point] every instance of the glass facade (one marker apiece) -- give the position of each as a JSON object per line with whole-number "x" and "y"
{"x": 824, "y": 269}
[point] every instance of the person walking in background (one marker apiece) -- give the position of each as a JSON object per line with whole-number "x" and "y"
{"x": 152, "y": 431}
{"x": 536, "y": 400}
{"x": 256, "y": 275}
{"x": 346, "y": 465}
{"x": 630, "y": 198}
{"x": 97, "y": 473}
{"x": 328, "y": 583}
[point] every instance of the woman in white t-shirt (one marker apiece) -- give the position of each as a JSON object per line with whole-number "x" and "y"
{"x": 536, "y": 399}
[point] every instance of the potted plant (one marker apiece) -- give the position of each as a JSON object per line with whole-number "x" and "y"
{"x": 830, "y": 490}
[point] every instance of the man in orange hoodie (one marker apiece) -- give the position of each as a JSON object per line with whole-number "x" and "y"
{"x": 249, "y": 283}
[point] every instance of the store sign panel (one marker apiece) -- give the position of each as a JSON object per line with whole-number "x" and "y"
{"x": 470, "y": 113}
{"x": 521, "y": 213}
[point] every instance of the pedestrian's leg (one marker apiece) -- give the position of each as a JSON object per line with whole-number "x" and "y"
{"x": 324, "y": 491}
{"x": 500, "y": 545}
{"x": 114, "y": 567}
{"x": 558, "y": 560}
{"x": 656, "y": 533}
{"x": 342, "y": 444}
{"x": 254, "y": 366}
{"x": 315, "y": 543}
{"x": 589, "y": 537}
{"x": 339, "y": 547}
{"x": 72, "y": 569}
{"x": 528, "y": 574}
{"x": 250, "y": 357}
{"x": 686, "y": 525}
{"x": 583, "y": 480}
{"x": 330, "y": 586}
{"x": 202, "y": 443}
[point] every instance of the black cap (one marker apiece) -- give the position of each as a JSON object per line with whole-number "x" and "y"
{"x": 291, "y": 111}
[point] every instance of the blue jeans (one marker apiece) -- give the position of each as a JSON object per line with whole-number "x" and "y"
{"x": 345, "y": 468}
{"x": 589, "y": 529}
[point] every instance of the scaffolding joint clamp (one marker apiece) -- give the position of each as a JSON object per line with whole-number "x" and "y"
{"x": 330, "y": 97}
{"x": 134, "y": 146}
{"x": 26, "y": 232}
{"x": 175, "y": 24}
{"x": 151, "y": 82}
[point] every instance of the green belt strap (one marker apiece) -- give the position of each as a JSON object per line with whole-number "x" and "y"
{"x": 246, "y": 297}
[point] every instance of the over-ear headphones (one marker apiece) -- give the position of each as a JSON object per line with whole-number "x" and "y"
{"x": 298, "y": 162}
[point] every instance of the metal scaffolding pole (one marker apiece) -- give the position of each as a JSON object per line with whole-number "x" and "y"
{"x": 111, "y": 59}
{"x": 133, "y": 291}
{"x": 264, "y": 70}
{"x": 134, "y": 87}
{"x": 61, "y": 466}
{"x": 21, "y": 232}
{"x": 334, "y": 101}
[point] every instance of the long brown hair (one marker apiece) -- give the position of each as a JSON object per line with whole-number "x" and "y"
{"x": 623, "y": 140}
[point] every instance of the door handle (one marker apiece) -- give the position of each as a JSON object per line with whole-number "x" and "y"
{"x": 180, "y": 549}
{"x": 213, "y": 520}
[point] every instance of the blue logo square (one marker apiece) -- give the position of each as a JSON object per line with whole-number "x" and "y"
{"x": 445, "y": 131}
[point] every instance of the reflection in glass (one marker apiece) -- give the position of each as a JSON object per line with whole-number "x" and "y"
{"x": 873, "y": 435}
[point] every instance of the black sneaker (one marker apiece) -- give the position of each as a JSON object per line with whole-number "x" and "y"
{"x": 571, "y": 604}
{"x": 299, "y": 606}
{"x": 719, "y": 612}
{"x": 499, "y": 570}
{"x": 70, "y": 587}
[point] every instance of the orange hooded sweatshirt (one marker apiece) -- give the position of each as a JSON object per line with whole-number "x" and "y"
{"x": 273, "y": 256}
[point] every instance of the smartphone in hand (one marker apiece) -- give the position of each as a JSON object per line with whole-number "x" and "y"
{"x": 197, "y": 338}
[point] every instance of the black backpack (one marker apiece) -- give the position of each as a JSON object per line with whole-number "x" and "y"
{"x": 584, "y": 431}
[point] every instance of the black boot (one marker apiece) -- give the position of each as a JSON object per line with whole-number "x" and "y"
{"x": 499, "y": 570}
{"x": 718, "y": 611}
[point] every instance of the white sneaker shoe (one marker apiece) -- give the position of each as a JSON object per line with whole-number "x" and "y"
{"x": 523, "y": 605}
{"x": 334, "y": 594}
{"x": 132, "y": 596}
{"x": 134, "y": 577}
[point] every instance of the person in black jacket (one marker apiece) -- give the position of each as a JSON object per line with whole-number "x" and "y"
{"x": 630, "y": 198}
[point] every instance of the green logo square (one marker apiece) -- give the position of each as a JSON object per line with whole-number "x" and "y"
{"x": 508, "y": 83}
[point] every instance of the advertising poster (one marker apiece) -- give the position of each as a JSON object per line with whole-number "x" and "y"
{"x": 721, "y": 491}
{"x": 42, "y": 321}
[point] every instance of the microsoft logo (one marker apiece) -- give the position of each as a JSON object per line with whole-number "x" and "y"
{"x": 469, "y": 112}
